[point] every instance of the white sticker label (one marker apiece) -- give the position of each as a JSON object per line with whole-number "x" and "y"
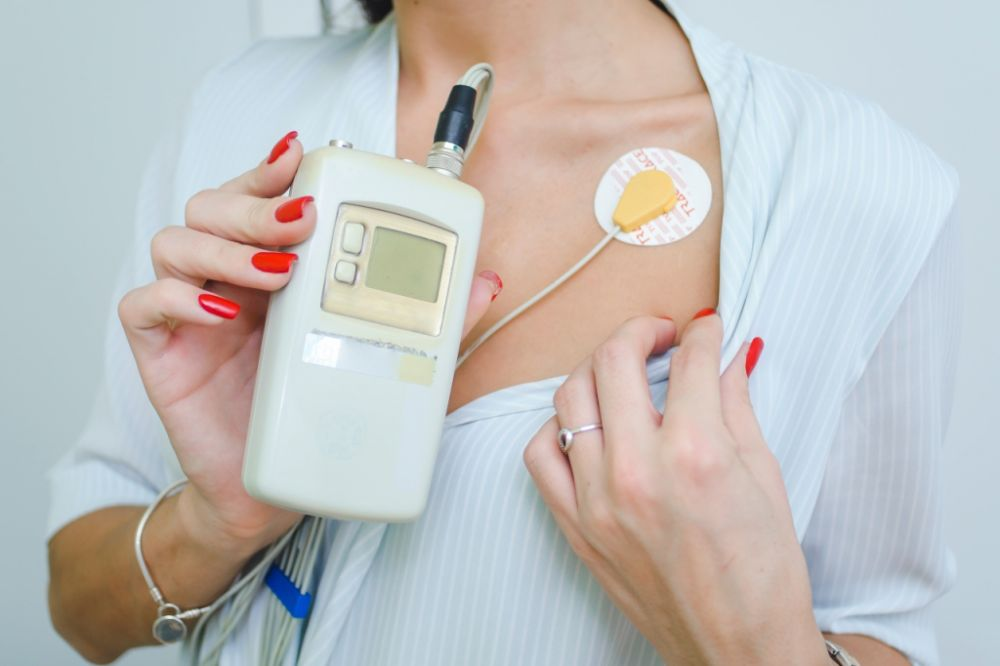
{"x": 694, "y": 195}
{"x": 369, "y": 357}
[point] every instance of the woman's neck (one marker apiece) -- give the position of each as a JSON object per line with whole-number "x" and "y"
{"x": 595, "y": 49}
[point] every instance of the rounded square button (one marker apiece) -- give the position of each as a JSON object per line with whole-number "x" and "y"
{"x": 354, "y": 237}
{"x": 345, "y": 272}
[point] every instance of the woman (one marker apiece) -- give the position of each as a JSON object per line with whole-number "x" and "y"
{"x": 717, "y": 532}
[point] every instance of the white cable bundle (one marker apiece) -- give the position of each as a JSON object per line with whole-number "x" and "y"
{"x": 299, "y": 563}
{"x": 479, "y": 77}
{"x": 233, "y": 604}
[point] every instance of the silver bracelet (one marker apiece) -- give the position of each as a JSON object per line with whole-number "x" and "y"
{"x": 839, "y": 656}
{"x": 169, "y": 626}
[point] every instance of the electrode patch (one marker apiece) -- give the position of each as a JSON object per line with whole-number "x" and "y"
{"x": 694, "y": 195}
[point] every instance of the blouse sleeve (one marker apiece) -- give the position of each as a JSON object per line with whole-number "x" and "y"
{"x": 118, "y": 458}
{"x": 875, "y": 544}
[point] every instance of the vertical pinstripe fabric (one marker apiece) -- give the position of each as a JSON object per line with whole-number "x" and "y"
{"x": 836, "y": 248}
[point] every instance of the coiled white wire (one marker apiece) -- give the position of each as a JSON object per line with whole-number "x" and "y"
{"x": 480, "y": 77}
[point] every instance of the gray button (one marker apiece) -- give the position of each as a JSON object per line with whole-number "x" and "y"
{"x": 354, "y": 237}
{"x": 345, "y": 272}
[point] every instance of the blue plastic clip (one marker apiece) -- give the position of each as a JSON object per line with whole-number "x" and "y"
{"x": 291, "y": 598}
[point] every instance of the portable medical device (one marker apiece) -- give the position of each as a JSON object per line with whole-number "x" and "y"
{"x": 359, "y": 349}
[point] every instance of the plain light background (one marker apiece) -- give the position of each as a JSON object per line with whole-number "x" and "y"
{"x": 86, "y": 88}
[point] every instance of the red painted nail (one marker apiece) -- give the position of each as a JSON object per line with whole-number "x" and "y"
{"x": 292, "y": 210}
{"x": 274, "y": 262}
{"x": 707, "y": 312}
{"x": 281, "y": 147}
{"x": 219, "y": 306}
{"x": 497, "y": 283}
{"x": 753, "y": 354}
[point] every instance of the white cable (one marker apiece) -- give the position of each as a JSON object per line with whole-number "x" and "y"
{"x": 537, "y": 297}
{"x": 299, "y": 565}
{"x": 251, "y": 582}
{"x": 480, "y": 77}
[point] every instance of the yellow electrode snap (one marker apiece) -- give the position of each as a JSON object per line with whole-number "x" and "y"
{"x": 647, "y": 195}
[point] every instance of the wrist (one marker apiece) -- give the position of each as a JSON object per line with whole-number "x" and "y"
{"x": 785, "y": 643}
{"x": 209, "y": 534}
{"x": 813, "y": 649}
{"x": 803, "y": 647}
{"x": 190, "y": 563}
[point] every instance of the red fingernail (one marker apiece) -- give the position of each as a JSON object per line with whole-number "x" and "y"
{"x": 707, "y": 312}
{"x": 219, "y": 306}
{"x": 497, "y": 283}
{"x": 274, "y": 262}
{"x": 281, "y": 147}
{"x": 753, "y": 354}
{"x": 292, "y": 210}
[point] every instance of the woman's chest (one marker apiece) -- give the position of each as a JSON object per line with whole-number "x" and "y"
{"x": 539, "y": 185}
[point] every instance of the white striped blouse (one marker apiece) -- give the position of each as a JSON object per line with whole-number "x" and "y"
{"x": 837, "y": 247}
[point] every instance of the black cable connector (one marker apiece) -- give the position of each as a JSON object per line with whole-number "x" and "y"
{"x": 455, "y": 122}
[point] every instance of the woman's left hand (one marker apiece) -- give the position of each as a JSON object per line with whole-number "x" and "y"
{"x": 682, "y": 518}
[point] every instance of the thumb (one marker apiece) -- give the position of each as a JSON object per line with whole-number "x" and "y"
{"x": 485, "y": 288}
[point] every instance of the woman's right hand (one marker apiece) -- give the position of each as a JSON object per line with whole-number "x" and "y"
{"x": 195, "y": 333}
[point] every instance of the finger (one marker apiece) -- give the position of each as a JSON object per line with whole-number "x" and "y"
{"x": 552, "y": 475}
{"x": 485, "y": 288}
{"x": 737, "y": 410}
{"x": 627, "y": 410}
{"x": 274, "y": 175}
{"x": 551, "y": 471}
{"x": 248, "y": 219}
{"x": 149, "y": 313}
{"x": 693, "y": 391}
{"x": 576, "y": 405}
{"x": 196, "y": 257}
{"x": 742, "y": 423}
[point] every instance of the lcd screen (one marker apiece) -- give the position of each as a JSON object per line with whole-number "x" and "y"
{"x": 405, "y": 264}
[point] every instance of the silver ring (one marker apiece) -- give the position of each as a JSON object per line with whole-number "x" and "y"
{"x": 566, "y": 435}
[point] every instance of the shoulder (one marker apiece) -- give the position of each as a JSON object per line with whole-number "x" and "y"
{"x": 838, "y": 203}
{"x": 812, "y": 147}
{"x": 243, "y": 106}
{"x": 827, "y": 128}
{"x": 827, "y": 173}
{"x": 841, "y": 152}
{"x": 277, "y": 67}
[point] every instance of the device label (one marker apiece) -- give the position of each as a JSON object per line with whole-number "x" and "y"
{"x": 376, "y": 358}
{"x": 694, "y": 195}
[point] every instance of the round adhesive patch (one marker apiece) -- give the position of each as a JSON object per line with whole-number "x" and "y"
{"x": 694, "y": 195}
